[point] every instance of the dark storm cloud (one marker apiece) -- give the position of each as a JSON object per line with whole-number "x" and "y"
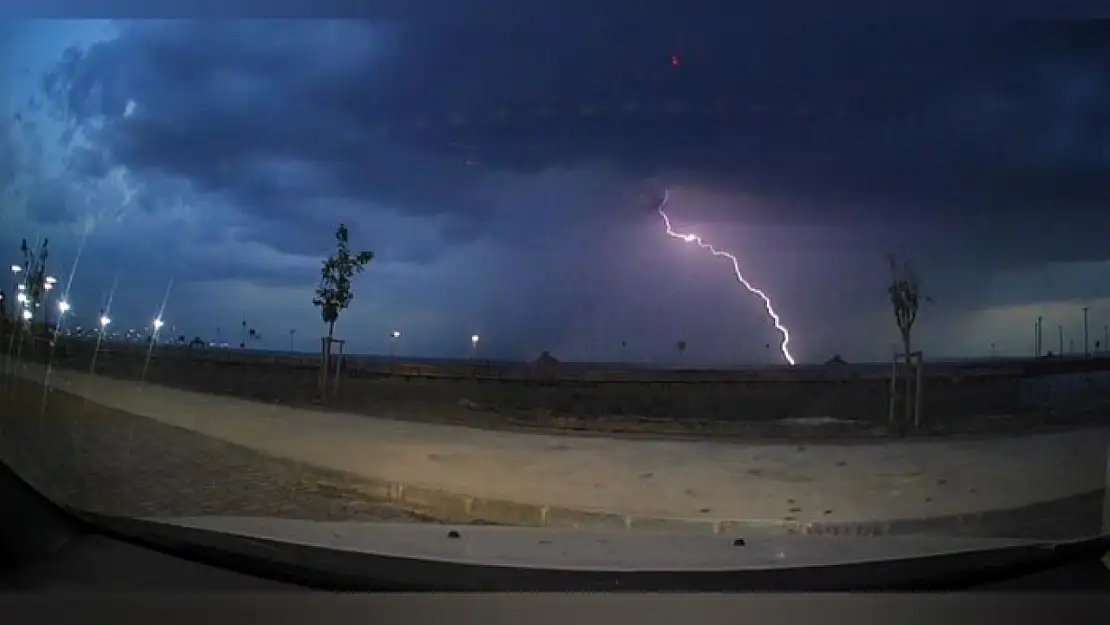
{"x": 875, "y": 120}
{"x": 50, "y": 205}
{"x": 255, "y": 111}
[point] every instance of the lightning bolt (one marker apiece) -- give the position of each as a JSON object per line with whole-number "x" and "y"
{"x": 784, "y": 345}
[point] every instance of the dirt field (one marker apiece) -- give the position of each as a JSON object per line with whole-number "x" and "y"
{"x": 849, "y": 409}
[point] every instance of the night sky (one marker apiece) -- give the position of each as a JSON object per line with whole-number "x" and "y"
{"x": 506, "y": 175}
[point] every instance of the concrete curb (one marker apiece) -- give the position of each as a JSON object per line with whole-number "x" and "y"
{"x": 1072, "y": 517}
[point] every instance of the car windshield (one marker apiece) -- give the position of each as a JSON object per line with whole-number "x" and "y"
{"x": 670, "y": 272}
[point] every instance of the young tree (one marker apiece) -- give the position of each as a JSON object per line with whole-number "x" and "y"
{"x": 905, "y": 298}
{"x": 334, "y": 293}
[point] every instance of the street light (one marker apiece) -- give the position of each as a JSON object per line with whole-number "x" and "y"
{"x": 63, "y": 307}
{"x": 396, "y": 334}
{"x": 15, "y": 273}
{"x": 158, "y": 323}
{"x": 474, "y": 344}
{"x": 104, "y": 321}
{"x": 27, "y": 314}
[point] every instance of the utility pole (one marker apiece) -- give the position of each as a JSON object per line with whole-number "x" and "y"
{"x": 1060, "y": 333}
{"x": 1037, "y": 337}
{"x": 1086, "y": 349}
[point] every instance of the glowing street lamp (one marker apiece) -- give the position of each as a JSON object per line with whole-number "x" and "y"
{"x": 158, "y": 323}
{"x": 104, "y": 321}
{"x": 393, "y": 336}
{"x": 474, "y": 338}
{"x": 27, "y": 314}
{"x": 51, "y": 280}
{"x": 18, "y": 287}
{"x": 63, "y": 307}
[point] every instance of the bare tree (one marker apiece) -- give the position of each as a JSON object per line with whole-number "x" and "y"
{"x": 905, "y": 299}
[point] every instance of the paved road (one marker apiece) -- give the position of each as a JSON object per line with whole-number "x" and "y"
{"x": 108, "y": 461}
{"x": 645, "y": 479}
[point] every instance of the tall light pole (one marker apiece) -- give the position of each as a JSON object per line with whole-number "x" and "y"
{"x": 474, "y": 345}
{"x": 16, "y": 269}
{"x": 393, "y": 336}
{"x": 1060, "y": 334}
{"x": 1086, "y": 349}
{"x": 47, "y": 287}
{"x": 1037, "y": 337}
{"x": 158, "y": 323}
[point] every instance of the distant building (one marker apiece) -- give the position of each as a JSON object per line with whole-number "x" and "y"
{"x": 545, "y": 368}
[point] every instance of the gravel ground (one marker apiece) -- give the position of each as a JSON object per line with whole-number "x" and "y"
{"x": 106, "y": 461}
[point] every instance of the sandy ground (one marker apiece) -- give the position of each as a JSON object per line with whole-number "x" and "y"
{"x": 662, "y": 479}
